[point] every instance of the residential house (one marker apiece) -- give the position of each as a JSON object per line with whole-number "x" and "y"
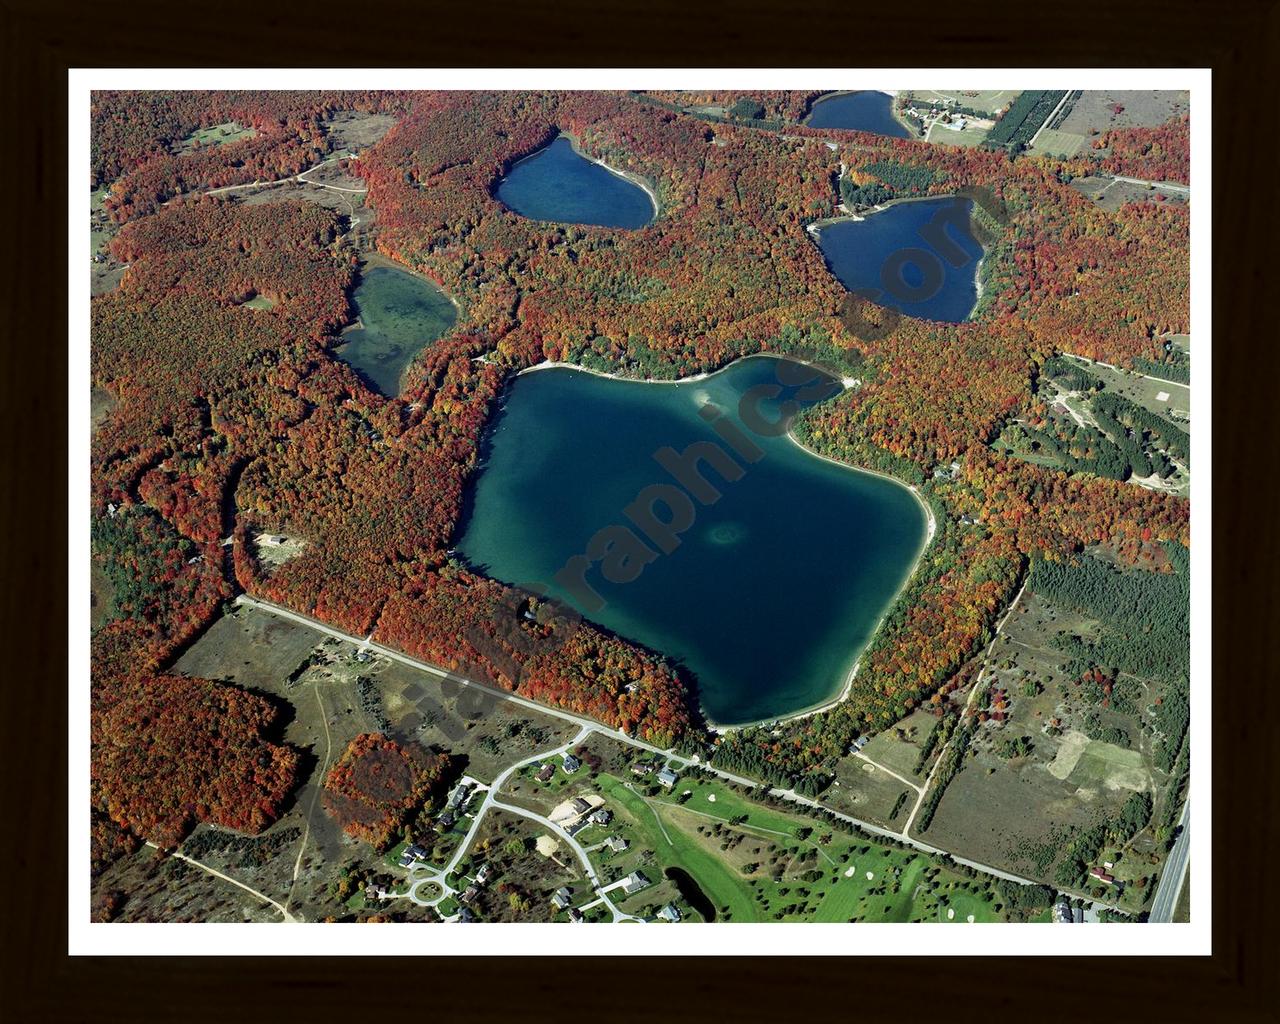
{"x": 634, "y": 882}
{"x": 616, "y": 843}
{"x": 667, "y": 777}
{"x": 580, "y": 806}
{"x": 576, "y": 915}
{"x": 472, "y": 891}
{"x": 670, "y": 913}
{"x": 483, "y": 874}
{"x": 561, "y": 897}
{"x": 547, "y": 771}
{"x": 571, "y": 764}
{"x": 601, "y": 816}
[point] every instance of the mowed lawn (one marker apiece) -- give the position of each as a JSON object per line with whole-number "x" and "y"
{"x": 674, "y": 848}
{"x": 899, "y": 889}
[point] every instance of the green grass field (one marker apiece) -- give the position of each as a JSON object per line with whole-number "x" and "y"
{"x": 810, "y": 880}
{"x": 217, "y": 135}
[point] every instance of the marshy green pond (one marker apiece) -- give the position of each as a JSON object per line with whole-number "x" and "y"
{"x": 400, "y": 314}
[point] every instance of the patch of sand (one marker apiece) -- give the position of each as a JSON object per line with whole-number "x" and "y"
{"x": 548, "y": 846}
{"x": 849, "y": 871}
{"x": 565, "y": 812}
{"x": 951, "y": 913}
{"x": 1069, "y": 751}
{"x": 969, "y": 919}
{"x": 711, "y": 797}
{"x": 870, "y": 875}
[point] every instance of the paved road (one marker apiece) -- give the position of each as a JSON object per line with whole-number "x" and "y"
{"x": 592, "y": 726}
{"x": 1166, "y": 185}
{"x": 1112, "y": 366}
{"x": 1052, "y": 114}
{"x": 978, "y": 687}
{"x": 1174, "y": 875}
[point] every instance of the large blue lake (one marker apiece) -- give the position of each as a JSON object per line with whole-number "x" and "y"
{"x": 767, "y": 595}
{"x": 920, "y": 257}
{"x": 556, "y": 184}
{"x": 400, "y": 314}
{"x": 861, "y": 111}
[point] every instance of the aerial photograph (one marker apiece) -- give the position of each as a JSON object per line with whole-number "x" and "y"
{"x": 638, "y": 506}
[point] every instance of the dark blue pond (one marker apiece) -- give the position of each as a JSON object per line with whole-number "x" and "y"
{"x": 861, "y": 111}
{"x": 920, "y": 258}
{"x": 556, "y": 184}
{"x": 774, "y": 583}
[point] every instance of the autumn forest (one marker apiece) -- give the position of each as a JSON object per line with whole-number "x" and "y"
{"x": 226, "y": 421}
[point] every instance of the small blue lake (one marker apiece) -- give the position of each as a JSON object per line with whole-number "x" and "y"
{"x": 858, "y": 111}
{"x": 557, "y": 184}
{"x": 920, "y": 257}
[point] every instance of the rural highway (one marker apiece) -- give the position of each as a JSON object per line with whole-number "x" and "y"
{"x": 1120, "y": 369}
{"x": 1168, "y": 186}
{"x": 590, "y": 725}
{"x": 1174, "y": 875}
{"x": 1052, "y": 114}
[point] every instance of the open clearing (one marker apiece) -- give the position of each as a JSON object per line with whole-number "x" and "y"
{"x": 329, "y": 696}
{"x": 215, "y": 135}
{"x": 970, "y": 136}
{"x": 1145, "y": 391}
{"x": 354, "y": 130}
{"x": 898, "y": 748}
{"x": 1095, "y": 112}
{"x": 1111, "y": 194}
{"x": 1015, "y": 813}
{"x": 990, "y": 100}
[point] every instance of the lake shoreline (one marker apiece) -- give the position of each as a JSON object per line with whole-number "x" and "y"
{"x": 639, "y": 181}
{"x": 931, "y": 529}
{"x": 912, "y": 133}
{"x": 814, "y": 229}
{"x": 635, "y": 179}
{"x": 374, "y": 258}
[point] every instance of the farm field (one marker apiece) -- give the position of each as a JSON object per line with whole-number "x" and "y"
{"x": 1015, "y": 812}
{"x": 1096, "y": 111}
{"x": 1110, "y": 194}
{"x": 970, "y": 136}
{"x": 1142, "y": 390}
